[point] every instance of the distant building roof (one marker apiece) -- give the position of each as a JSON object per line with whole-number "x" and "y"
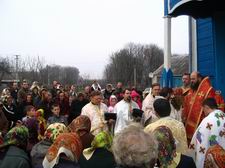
{"x": 179, "y": 65}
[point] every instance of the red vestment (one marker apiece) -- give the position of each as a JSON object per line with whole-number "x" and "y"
{"x": 193, "y": 110}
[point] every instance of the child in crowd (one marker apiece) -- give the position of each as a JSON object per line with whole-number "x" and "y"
{"x": 41, "y": 123}
{"x": 30, "y": 113}
{"x": 56, "y": 117}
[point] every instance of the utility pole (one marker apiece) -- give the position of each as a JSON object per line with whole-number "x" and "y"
{"x": 17, "y": 63}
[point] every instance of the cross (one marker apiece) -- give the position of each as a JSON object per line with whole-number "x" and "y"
{"x": 202, "y": 150}
{"x": 192, "y": 146}
{"x": 201, "y": 94}
{"x": 222, "y": 133}
{"x": 209, "y": 126}
{"x": 221, "y": 116}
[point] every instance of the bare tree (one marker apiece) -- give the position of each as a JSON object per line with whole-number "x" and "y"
{"x": 138, "y": 58}
{"x": 4, "y": 67}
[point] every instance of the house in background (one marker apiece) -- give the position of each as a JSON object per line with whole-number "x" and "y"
{"x": 179, "y": 66}
{"x": 207, "y": 36}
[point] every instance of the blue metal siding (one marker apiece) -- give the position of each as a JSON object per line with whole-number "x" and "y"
{"x": 219, "y": 27}
{"x": 205, "y": 48}
{"x": 165, "y": 7}
{"x": 174, "y": 2}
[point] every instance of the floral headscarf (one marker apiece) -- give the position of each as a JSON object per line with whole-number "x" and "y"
{"x": 67, "y": 143}
{"x": 101, "y": 140}
{"x": 54, "y": 130}
{"x": 166, "y": 147}
{"x": 17, "y": 136}
{"x": 81, "y": 123}
{"x": 40, "y": 113}
{"x": 215, "y": 157}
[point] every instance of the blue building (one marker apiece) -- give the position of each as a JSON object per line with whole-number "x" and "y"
{"x": 207, "y": 36}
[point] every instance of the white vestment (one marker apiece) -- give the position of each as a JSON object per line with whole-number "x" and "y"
{"x": 123, "y": 110}
{"x": 211, "y": 131}
{"x": 96, "y": 115}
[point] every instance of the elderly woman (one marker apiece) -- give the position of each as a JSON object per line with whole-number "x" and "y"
{"x": 39, "y": 150}
{"x": 99, "y": 155}
{"x": 15, "y": 143}
{"x": 64, "y": 152}
{"x": 132, "y": 147}
{"x": 82, "y": 126}
{"x": 167, "y": 155}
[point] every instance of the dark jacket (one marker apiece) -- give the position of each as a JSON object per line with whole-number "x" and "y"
{"x": 62, "y": 164}
{"x": 186, "y": 162}
{"x": 21, "y": 109}
{"x": 3, "y": 122}
{"x": 107, "y": 94}
{"x": 39, "y": 151}
{"x": 14, "y": 93}
{"x": 75, "y": 109}
{"x": 15, "y": 158}
{"x": 46, "y": 106}
{"x": 11, "y": 114}
{"x": 101, "y": 158}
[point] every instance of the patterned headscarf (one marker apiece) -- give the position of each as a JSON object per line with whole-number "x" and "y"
{"x": 54, "y": 130}
{"x": 67, "y": 143}
{"x": 17, "y": 136}
{"x": 101, "y": 140}
{"x": 215, "y": 157}
{"x": 40, "y": 113}
{"x": 81, "y": 123}
{"x": 166, "y": 147}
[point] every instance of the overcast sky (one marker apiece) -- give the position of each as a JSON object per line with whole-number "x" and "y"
{"x": 83, "y": 33}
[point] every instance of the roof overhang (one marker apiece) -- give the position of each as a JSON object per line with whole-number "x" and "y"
{"x": 194, "y": 8}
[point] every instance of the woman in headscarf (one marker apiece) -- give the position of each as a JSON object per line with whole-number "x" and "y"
{"x": 137, "y": 98}
{"x": 15, "y": 143}
{"x": 167, "y": 155}
{"x": 39, "y": 150}
{"x": 82, "y": 126}
{"x": 215, "y": 157}
{"x": 64, "y": 152}
{"x": 112, "y": 103}
{"x": 99, "y": 155}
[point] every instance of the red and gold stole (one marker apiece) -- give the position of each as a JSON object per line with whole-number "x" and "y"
{"x": 195, "y": 111}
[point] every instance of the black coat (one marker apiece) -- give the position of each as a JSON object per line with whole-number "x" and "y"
{"x": 11, "y": 113}
{"x": 39, "y": 151}
{"x": 76, "y": 108}
{"x": 101, "y": 158}
{"x": 15, "y": 158}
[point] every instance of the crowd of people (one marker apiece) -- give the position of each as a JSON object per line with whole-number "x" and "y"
{"x": 59, "y": 127}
